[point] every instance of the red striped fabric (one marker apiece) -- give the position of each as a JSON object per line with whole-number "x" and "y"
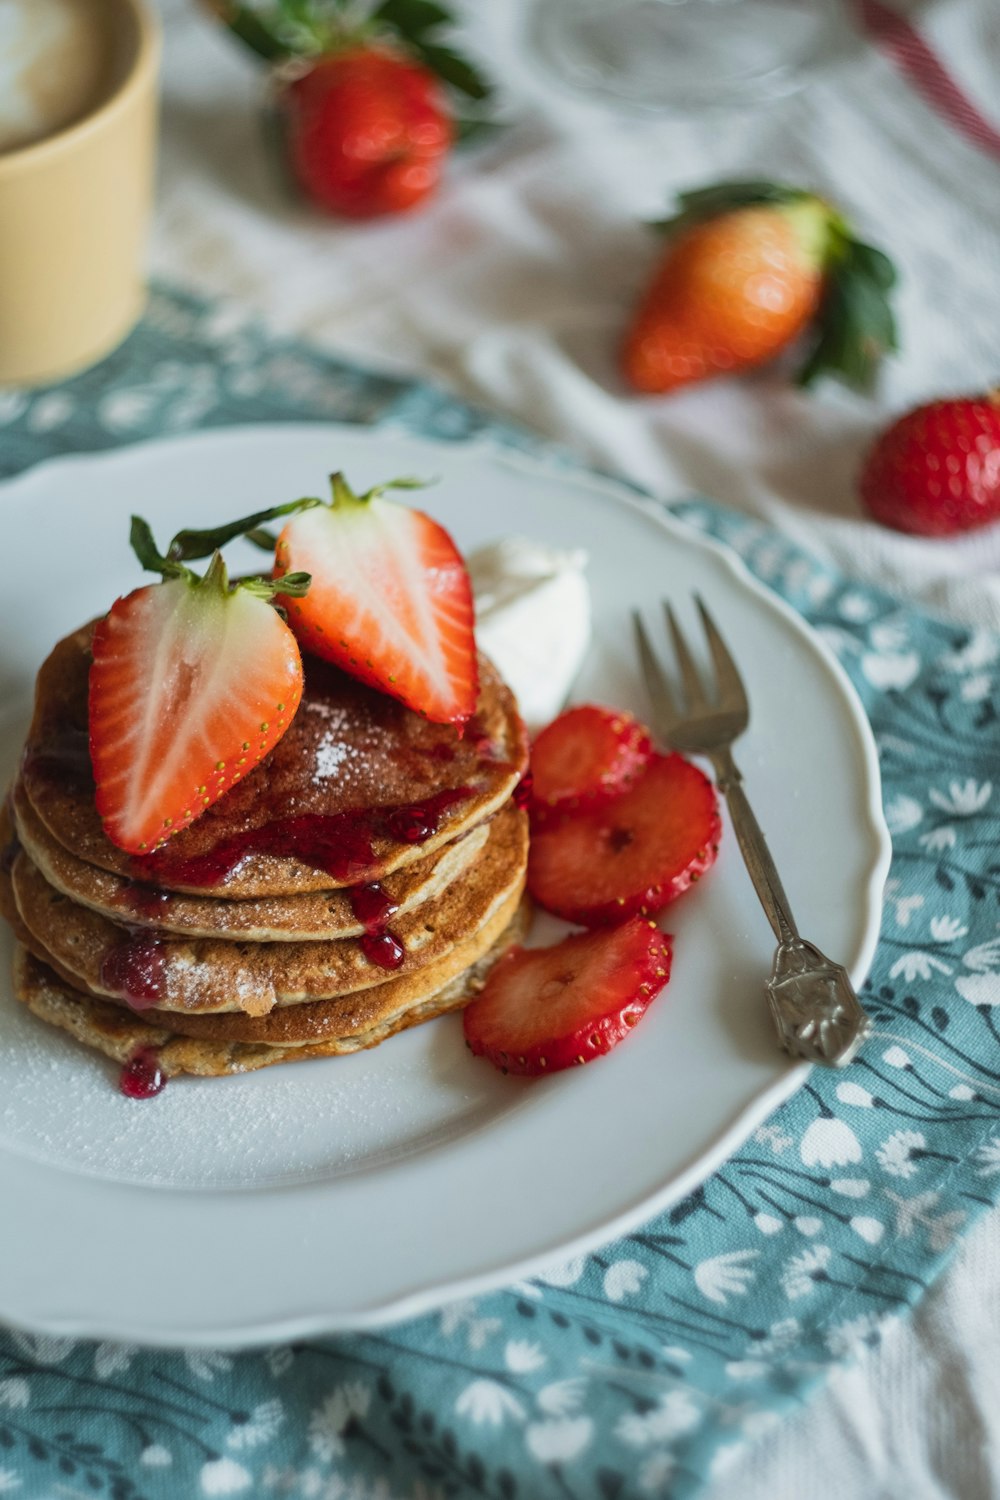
{"x": 924, "y": 70}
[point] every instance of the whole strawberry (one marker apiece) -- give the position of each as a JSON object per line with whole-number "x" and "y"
{"x": 366, "y": 100}
{"x": 936, "y": 471}
{"x": 368, "y": 132}
{"x": 749, "y": 268}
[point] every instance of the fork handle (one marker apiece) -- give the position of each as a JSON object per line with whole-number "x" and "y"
{"x": 753, "y": 845}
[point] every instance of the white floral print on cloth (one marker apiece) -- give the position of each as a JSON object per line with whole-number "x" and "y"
{"x": 644, "y": 1368}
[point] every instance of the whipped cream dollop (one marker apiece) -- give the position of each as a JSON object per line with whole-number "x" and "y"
{"x": 532, "y": 619}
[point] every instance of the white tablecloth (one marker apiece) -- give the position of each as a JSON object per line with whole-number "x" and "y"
{"x": 513, "y": 289}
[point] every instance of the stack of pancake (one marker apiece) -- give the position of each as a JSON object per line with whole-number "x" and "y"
{"x": 362, "y": 878}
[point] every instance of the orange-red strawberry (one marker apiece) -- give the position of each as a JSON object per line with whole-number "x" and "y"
{"x": 633, "y": 854}
{"x": 585, "y": 757}
{"x": 749, "y": 267}
{"x": 543, "y": 1009}
{"x": 390, "y": 600}
{"x": 936, "y": 471}
{"x": 193, "y": 681}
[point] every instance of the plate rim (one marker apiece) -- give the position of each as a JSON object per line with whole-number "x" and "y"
{"x": 423, "y": 1298}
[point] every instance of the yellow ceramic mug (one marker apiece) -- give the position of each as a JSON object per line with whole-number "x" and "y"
{"x": 74, "y": 208}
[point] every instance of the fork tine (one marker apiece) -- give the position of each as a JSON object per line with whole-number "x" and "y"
{"x": 730, "y": 684}
{"x": 664, "y": 707}
{"x": 689, "y": 672}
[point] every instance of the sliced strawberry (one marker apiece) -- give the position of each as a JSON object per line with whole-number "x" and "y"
{"x": 585, "y": 757}
{"x": 543, "y": 1009}
{"x": 633, "y": 854}
{"x": 390, "y": 600}
{"x": 192, "y": 684}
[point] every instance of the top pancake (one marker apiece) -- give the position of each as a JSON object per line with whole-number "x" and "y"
{"x": 311, "y": 916}
{"x": 348, "y": 753}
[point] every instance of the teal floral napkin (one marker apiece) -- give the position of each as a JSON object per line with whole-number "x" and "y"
{"x": 643, "y": 1369}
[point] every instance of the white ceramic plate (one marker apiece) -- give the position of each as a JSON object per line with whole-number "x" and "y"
{"x": 345, "y": 1192}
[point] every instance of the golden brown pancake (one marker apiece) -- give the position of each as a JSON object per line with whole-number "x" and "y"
{"x": 119, "y": 1034}
{"x": 357, "y": 787}
{"x": 313, "y": 916}
{"x": 210, "y": 975}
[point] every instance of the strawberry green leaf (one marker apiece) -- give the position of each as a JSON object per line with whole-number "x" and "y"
{"x": 144, "y": 546}
{"x": 452, "y": 68}
{"x": 412, "y": 18}
{"x": 474, "y": 130}
{"x": 262, "y": 538}
{"x": 260, "y": 36}
{"x": 876, "y": 265}
{"x": 190, "y": 544}
{"x": 855, "y": 327}
{"x": 699, "y": 204}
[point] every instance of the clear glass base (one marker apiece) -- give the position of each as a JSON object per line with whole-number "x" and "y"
{"x": 672, "y": 54}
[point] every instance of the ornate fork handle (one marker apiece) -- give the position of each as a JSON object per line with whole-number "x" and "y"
{"x": 815, "y": 1010}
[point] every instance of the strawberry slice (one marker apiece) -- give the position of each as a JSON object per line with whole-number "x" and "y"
{"x": 585, "y": 757}
{"x": 631, "y": 855}
{"x": 193, "y": 682}
{"x": 390, "y": 600}
{"x": 543, "y": 1009}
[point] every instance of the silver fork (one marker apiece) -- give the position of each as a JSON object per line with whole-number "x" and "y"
{"x": 815, "y": 1010}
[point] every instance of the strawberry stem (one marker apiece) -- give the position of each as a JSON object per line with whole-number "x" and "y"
{"x": 291, "y": 586}
{"x": 344, "y": 496}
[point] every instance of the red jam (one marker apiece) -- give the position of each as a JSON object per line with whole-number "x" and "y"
{"x": 341, "y": 844}
{"x": 136, "y": 969}
{"x": 373, "y": 908}
{"x": 383, "y": 949}
{"x": 142, "y": 1077}
{"x": 521, "y": 795}
{"x": 143, "y": 900}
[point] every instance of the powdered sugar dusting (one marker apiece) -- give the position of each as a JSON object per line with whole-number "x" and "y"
{"x": 330, "y": 756}
{"x": 337, "y": 749}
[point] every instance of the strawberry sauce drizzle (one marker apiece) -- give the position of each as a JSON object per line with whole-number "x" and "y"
{"x": 521, "y": 795}
{"x": 340, "y": 844}
{"x": 136, "y": 970}
{"x": 142, "y": 1077}
{"x": 373, "y": 909}
{"x": 142, "y": 900}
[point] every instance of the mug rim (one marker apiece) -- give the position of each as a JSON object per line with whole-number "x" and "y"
{"x": 144, "y": 65}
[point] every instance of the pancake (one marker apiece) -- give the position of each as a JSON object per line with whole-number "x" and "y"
{"x": 313, "y": 916}
{"x": 119, "y": 1034}
{"x": 359, "y": 786}
{"x": 211, "y": 975}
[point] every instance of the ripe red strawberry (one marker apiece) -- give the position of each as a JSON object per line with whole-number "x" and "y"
{"x": 367, "y": 95}
{"x": 936, "y": 470}
{"x": 390, "y": 600}
{"x": 544, "y": 1009}
{"x": 585, "y": 757}
{"x": 748, "y": 268}
{"x": 368, "y": 132}
{"x": 631, "y": 855}
{"x": 192, "y": 684}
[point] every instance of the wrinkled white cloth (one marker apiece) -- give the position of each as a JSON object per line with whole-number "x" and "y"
{"x": 513, "y": 289}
